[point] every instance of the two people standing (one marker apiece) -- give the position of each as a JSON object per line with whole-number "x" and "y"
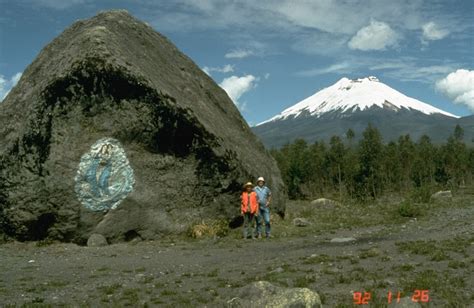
{"x": 255, "y": 202}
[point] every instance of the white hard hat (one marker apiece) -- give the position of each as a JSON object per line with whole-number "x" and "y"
{"x": 261, "y": 179}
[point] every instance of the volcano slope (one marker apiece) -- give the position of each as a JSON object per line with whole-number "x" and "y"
{"x": 112, "y": 130}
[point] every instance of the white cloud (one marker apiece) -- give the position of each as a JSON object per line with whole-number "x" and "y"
{"x": 3, "y": 86}
{"x": 236, "y": 86}
{"x": 432, "y": 32}
{"x": 338, "y": 68}
{"x": 7, "y": 84}
{"x": 459, "y": 87}
{"x": 320, "y": 43}
{"x": 239, "y": 54}
{"x": 413, "y": 71}
{"x": 283, "y": 16}
{"x": 16, "y": 78}
{"x": 376, "y": 36}
{"x": 312, "y": 27}
{"x": 228, "y": 68}
{"x": 344, "y": 16}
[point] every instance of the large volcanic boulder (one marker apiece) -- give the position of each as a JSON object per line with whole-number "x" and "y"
{"x": 112, "y": 130}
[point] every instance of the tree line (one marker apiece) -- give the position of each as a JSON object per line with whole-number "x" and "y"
{"x": 370, "y": 168}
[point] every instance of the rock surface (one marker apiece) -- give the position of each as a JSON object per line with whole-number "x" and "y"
{"x": 264, "y": 294}
{"x": 96, "y": 240}
{"x": 114, "y": 77}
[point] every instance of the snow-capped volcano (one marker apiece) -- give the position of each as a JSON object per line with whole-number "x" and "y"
{"x": 354, "y": 104}
{"x": 350, "y": 95}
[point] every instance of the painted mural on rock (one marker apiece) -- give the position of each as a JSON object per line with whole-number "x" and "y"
{"x": 104, "y": 177}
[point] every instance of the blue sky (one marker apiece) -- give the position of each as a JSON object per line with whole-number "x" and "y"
{"x": 269, "y": 55}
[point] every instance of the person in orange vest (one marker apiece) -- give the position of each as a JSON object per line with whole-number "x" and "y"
{"x": 249, "y": 209}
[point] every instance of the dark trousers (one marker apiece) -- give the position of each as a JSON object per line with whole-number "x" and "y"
{"x": 248, "y": 225}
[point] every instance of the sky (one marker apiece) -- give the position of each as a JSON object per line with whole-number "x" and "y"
{"x": 269, "y": 55}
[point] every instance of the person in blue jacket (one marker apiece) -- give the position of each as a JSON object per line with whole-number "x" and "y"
{"x": 264, "y": 199}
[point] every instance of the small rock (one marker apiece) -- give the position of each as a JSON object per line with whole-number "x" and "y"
{"x": 343, "y": 240}
{"x": 301, "y": 222}
{"x": 444, "y": 195}
{"x": 265, "y": 294}
{"x": 324, "y": 202}
{"x": 97, "y": 240}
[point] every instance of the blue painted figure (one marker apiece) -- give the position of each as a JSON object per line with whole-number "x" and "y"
{"x": 104, "y": 177}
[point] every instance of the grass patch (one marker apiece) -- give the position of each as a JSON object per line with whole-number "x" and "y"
{"x": 418, "y": 247}
{"x": 213, "y": 273}
{"x": 58, "y": 283}
{"x": 456, "y": 264}
{"x": 369, "y": 253}
{"x": 437, "y": 251}
{"x": 458, "y": 244}
{"x": 404, "y": 268}
{"x": 385, "y": 258}
{"x": 440, "y": 255}
{"x": 159, "y": 285}
{"x": 103, "y": 269}
{"x": 110, "y": 289}
{"x": 168, "y": 292}
{"x": 317, "y": 259}
{"x": 359, "y": 274}
{"x": 408, "y": 209}
{"x": 444, "y": 285}
{"x": 37, "y": 288}
{"x": 304, "y": 281}
{"x": 131, "y": 296}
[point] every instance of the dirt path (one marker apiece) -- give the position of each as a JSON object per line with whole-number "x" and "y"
{"x": 207, "y": 272}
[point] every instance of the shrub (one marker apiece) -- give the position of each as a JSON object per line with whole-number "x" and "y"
{"x": 209, "y": 228}
{"x": 421, "y": 194}
{"x": 407, "y": 209}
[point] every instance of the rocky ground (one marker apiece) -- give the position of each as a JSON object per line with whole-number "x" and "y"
{"x": 339, "y": 249}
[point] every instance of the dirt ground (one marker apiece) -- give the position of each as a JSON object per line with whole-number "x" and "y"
{"x": 432, "y": 251}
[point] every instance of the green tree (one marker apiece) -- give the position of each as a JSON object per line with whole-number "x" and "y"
{"x": 456, "y": 158}
{"x": 335, "y": 159}
{"x": 369, "y": 177}
{"x": 298, "y": 167}
{"x": 458, "y": 133}
{"x": 391, "y": 167}
{"x": 424, "y": 167}
{"x": 317, "y": 169}
{"x": 350, "y": 135}
{"x": 406, "y": 151}
{"x": 350, "y": 170}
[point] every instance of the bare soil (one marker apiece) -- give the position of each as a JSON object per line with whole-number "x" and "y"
{"x": 434, "y": 252}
